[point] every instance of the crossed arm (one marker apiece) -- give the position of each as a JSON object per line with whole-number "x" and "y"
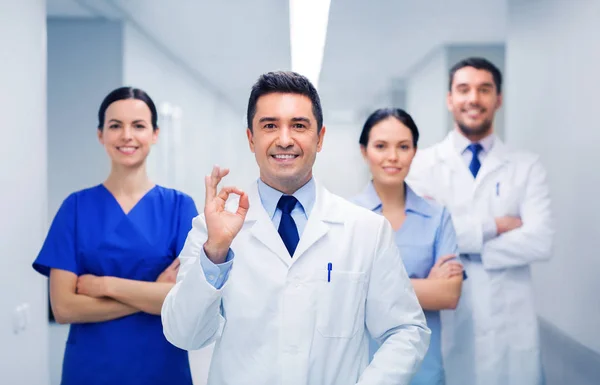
{"x": 89, "y": 298}
{"x": 442, "y": 288}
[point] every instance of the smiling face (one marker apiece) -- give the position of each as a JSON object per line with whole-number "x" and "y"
{"x": 389, "y": 152}
{"x": 285, "y": 140}
{"x": 127, "y": 134}
{"x": 473, "y": 100}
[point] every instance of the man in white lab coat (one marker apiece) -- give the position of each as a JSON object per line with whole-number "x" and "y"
{"x": 500, "y": 207}
{"x": 291, "y": 279}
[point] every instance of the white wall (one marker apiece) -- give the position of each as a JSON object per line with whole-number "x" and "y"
{"x": 23, "y": 355}
{"x": 551, "y": 103}
{"x": 339, "y": 165}
{"x": 212, "y": 131}
{"x": 426, "y": 90}
{"x": 84, "y": 65}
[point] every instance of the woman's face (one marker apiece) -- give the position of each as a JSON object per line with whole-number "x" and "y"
{"x": 127, "y": 134}
{"x": 389, "y": 151}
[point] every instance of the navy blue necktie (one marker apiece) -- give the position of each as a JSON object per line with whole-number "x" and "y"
{"x": 474, "y": 166}
{"x": 287, "y": 226}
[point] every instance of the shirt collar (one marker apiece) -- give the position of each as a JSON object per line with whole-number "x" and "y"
{"x": 269, "y": 197}
{"x": 413, "y": 203}
{"x": 461, "y": 142}
{"x": 416, "y": 203}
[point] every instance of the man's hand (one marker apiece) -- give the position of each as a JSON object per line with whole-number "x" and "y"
{"x": 505, "y": 224}
{"x": 445, "y": 268}
{"x": 92, "y": 286}
{"x": 221, "y": 224}
{"x": 169, "y": 275}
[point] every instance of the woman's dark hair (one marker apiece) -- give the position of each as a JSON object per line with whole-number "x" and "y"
{"x": 124, "y": 93}
{"x": 383, "y": 114}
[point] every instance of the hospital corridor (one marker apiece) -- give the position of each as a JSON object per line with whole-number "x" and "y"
{"x": 300, "y": 192}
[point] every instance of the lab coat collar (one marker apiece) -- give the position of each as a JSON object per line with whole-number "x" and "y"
{"x": 496, "y": 158}
{"x": 413, "y": 203}
{"x": 324, "y": 214}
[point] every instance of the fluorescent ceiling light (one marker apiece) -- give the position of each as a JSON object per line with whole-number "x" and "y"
{"x": 308, "y": 32}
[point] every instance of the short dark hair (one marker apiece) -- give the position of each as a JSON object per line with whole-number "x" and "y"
{"x": 383, "y": 114}
{"x": 124, "y": 93}
{"x": 285, "y": 82}
{"x": 480, "y": 64}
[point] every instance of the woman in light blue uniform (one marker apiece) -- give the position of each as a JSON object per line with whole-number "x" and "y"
{"x": 111, "y": 256}
{"x": 424, "y": 231}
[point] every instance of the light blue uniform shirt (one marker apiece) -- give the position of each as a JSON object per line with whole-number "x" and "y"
{"x": 426, "y": 235}
{"x": 216, "y": 275}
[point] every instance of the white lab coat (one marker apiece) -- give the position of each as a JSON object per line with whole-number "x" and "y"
{"x": 492, "y": 337}
{"x": 278, "y": 321}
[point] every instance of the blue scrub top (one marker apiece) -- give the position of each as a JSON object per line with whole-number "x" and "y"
{"x": 426, "y": 235}
{"x": 91, "y": 234}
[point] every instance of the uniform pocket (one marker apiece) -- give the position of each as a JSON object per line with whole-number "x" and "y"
{"x": 504, "y": 199}
{"x": 341, "y": 303}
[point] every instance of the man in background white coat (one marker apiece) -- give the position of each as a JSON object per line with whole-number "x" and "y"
{"x": 500, "y": 207}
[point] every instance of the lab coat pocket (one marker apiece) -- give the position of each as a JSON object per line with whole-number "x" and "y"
{"x": 341, "y": 303}
{"x": 504, "y": 199}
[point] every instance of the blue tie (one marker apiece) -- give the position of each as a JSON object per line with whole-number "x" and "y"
{"x": 474, "y": 166}
{"x": 287, "y": 226}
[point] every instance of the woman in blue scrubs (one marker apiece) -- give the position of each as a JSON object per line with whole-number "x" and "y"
{"x": 424, "y": 231}
{"x": 111, "y": 256}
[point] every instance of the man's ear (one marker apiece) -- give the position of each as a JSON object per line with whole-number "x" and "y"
{"x": 321, "y": 138}
{"x": 250, "y": 136}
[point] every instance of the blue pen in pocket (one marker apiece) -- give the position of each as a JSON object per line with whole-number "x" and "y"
{"x": 329, "y": 267}
{"x": 498, "y": 189}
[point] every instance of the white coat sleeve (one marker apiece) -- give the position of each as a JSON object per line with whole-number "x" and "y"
{"x": 532, "y": 241}
{"x": 191, "y": 313}
{"x": 393, "y": 317}
{"x": 471, "y": 228}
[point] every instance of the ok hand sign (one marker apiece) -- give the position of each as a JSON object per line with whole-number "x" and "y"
{"x": 222, "y": 225}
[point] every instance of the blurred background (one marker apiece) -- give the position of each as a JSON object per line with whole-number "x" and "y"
{"x": 198, "y": 60}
